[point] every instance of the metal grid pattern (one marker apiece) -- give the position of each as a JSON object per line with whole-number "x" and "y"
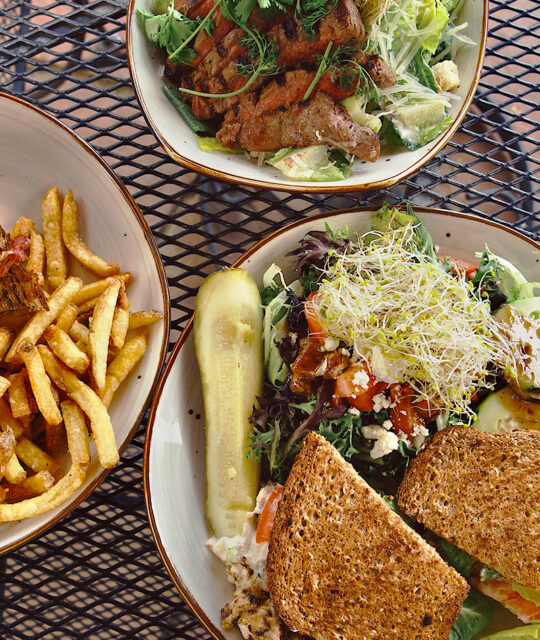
{"x": 97, "y": 574}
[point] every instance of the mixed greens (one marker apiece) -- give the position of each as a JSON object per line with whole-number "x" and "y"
{"x": 418, "y": 39}
{"x": 380, "y": 342}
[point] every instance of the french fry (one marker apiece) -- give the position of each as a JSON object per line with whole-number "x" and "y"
{"x": 18, "y": 398}
{"x": 51, "y": 216}
{"x": 87, "y": 306}
{"x": 38, "y": 483}
{"x": 54, "y": 438}
{"x": 22, "y": 227}
{"x": 34, "y": 457}
{"x": 52, "y": 365}
{"x": 120, "y": 319}
{"x": 52, "y": 498}
{"x": 77, "y": 248}
{"x": 141, "y": 319}
{"x": 40, "y": 383}
{"x": 95, "y": 289}
{"x": 14, "y": 471}
{"x": 66, "y": 350}
{"x": 4, "y": 385}
{"x": 77, "y": 432}
{"x": 7, "y": 449}
{"x": 89, "y": 402}
{"x": 34, "y": 328}
{"x": 67, "y": 317}
{"x": 79, "y": 332}
{"x": 100, "y": 332}
{"x": 100, "y": 421}
{"x": 3, "y": 493}
{"x": 120, "y": 367}
{"x": 8, "y": 421}
{"x": 36, "y": 256}
{"x": 6, "y": 338}
{"x": 26, "y": 424}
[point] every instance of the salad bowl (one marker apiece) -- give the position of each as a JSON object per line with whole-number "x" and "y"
{"x": 174, "y": 463}
{"x": 39, "y": 152}
{"x": 179, "y": 142}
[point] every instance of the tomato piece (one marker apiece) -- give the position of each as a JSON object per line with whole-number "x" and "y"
{"x": 468, "y": 269}
{"x": 425, "y": 410}
{"x": 402, "y": 414}
{"x": 268, "y": 515}
{"x": 500, "y": 589}
{"x": 315, "y": 326}
{"x": 359, "y": 386}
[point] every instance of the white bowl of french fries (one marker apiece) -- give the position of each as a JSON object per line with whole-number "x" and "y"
{"x": 83, "y": 320}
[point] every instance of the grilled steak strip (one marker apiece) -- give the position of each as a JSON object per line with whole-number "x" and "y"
{"x": 318, "y": 121}
{"x": 342, "y": 26}
{"x": 379, "y": 70}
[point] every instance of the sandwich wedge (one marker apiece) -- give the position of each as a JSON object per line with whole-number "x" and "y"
{"x": 481, "y": 493}
{"x": 20, "y": 292}
{"x": 342, "y": 564}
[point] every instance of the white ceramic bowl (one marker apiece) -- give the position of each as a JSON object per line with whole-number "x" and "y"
{"x": 180, "y": 143}
{"x": 38, "y": 152}
{"x": 174, "y": 464}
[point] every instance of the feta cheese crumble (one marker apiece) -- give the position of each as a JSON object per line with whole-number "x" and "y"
{"x": 385, "y": 441}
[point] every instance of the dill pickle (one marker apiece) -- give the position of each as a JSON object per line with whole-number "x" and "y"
{"x": 228, "y": 343}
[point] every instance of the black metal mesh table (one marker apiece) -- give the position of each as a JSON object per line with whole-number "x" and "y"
{"x": 97, "y": 574}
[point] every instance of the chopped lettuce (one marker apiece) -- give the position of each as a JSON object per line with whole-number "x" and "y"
{"x": 387, "y": 218}
{"x": 487, "y": 574}
{"x": 355, "y": 107}
{"x": 168, "y": 30}
{"x": 317, "y": 163}
{"x": 419, "y": 123}
{"x": 530, "y": 632}
{"x": 420, "y": 68}
{"x": 277, "y": 306}
{"x": 433, "y": 18}
{"x": 474, "y": 616}
{"x": 460, "y": 560}
{"x": 500, "y": 281}
{"x": 526, "y": 592}
{"x": 213, "y": 144}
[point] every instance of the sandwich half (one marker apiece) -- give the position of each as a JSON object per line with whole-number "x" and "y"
{"x": 342, "y": 564}
{"x": 20, "y": 292}
{"x": 481, "y": 492}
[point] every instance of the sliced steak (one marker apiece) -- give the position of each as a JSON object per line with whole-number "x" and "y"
{"x": 318, "y": 121}
{"x": 342, "y": 26}
{"x": 378, "y": 70}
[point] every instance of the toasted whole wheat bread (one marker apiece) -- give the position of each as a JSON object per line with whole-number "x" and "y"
{"x": 342, "y": 565}
{"x": 482, "y": 493}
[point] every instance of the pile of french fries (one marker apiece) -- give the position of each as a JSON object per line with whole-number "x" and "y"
{"x": 61, "y": 370}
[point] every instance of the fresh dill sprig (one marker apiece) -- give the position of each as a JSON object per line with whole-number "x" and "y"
{"x": 346, "y": 71}
{"x": 351, "y": 75}
{"x": 203, "y": 24}
{"x": 311, "y": 12}
{"x": 323, "y": 66}
{"x": 269, "y": 65}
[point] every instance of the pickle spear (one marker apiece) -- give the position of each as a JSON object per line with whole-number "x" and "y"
{"x": 228, "y": 343}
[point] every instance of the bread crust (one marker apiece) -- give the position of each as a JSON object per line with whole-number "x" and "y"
{"x": 342, "y": 565}
{"x": 481, "y": 492}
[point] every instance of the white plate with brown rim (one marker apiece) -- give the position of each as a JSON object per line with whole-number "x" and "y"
{"x": 174, "y": 461}
{"x": 39, "y": 152}
{"x": 177, "y": 139}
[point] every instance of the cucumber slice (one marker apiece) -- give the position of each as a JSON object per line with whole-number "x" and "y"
{"x": 503, "y": 411}
{"x": 228, "y": 343}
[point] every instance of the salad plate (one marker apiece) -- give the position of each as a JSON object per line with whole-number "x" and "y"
{"x": 174, "y": 464}
{"x": 38, "y": 153}
{"x": 146, "y": 63}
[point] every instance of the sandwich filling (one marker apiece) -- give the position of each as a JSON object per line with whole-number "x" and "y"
{"x": 251, "y": 608}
